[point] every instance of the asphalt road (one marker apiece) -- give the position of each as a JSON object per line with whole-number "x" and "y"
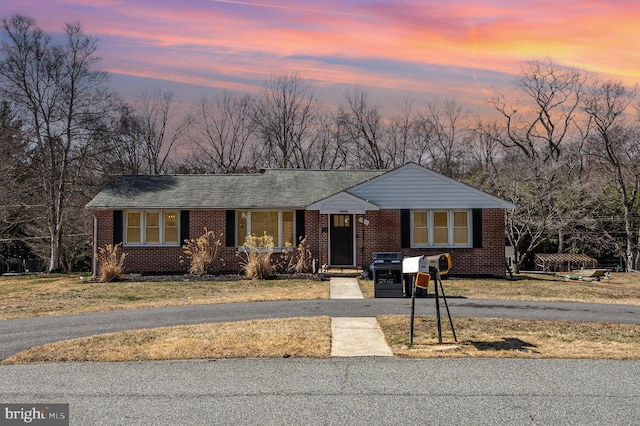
{"x": 20, "y": 334}
{"x": 335, "y": 391}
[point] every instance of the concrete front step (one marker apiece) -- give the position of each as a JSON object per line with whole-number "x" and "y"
{"x": 341, "y": 272}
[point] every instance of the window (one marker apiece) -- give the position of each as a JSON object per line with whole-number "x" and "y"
{"x": 171, "y": 229}
{"x": 440, "y": 228}
{"x": 460, "y": 228}
{"x": 152, "y": 227}
{"x": 243, "y": 229}
{"x": 288, "y": 231}
{"x": 341, "y": 220}
{"x": 420, "y": 228}
{"x": 265, "y": 223}
{"x": 278, "y": 224}
{"x": 134, "y": 231}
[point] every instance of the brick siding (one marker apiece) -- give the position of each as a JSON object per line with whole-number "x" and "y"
{"x": 381, "y": 235}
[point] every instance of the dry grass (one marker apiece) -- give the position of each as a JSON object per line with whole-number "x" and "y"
{"x": 298, "y": 260}
{"x": 25, "y": 296}
{"x": 311, "y": 337}
{"x": 277, "y": 338}
{"x": 201, "y": 254}
{"x": 510, "y": 338}
{"x": 256, "y": 256}
{"x": 366, "y": 287}
{"x": 39, "y": 295}
{"x": 620, "y": 289}
{"x": 110, "y": 262}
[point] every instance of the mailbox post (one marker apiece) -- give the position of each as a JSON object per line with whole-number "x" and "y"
{"x": 432, "y": 266}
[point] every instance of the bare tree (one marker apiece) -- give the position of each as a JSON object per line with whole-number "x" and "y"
{"x": 330, "y": 150}
{"x": 541, "y": 124}
{"x": 15, "y": 189}
{"x": 286, "y": 115}
{"x": 225, "y": 131}
{"x": 364, "y": 127}
{"x": 485, "y": 151}
{"x": 542, "y": 119}
{"x": 594, "y": 228}
{"x": 402, "y": 135}
{"x": 122, "y": 144}
{"x": 615, "y": 148}
{"x": 443, "y": 137}
{"x": 59, "y": 97}
{"x": 161, "y": 127}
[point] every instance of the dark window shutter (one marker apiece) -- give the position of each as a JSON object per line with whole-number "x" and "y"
{"x": 476, "y": 218}
{"x": 405, "y": 228}
{"x": 118, "y": 224}
{"x": 230, "y": 228}
{"x": 184, "y": 226}
{"x": 300, "y": 231}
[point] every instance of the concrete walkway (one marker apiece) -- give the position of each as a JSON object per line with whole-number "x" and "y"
{"x": 358, "y": 336}
{"x": 355, "y": 336}
{"x": 345, "y": 288}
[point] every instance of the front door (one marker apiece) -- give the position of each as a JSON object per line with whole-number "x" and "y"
{"x": 341, "y": 239}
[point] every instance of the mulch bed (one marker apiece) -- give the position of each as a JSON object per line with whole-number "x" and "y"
{"x": 216, "y": 277}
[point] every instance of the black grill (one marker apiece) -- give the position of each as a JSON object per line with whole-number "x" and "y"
{"x": 387, "y": 274}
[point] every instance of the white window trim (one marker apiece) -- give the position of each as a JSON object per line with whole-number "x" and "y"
{"x": 277, "y": 246}
{"x": 143, "y": 228}
{"x": 450, "y": 228}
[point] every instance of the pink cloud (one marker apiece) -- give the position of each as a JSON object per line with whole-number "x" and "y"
{"x": 376, "y": 44}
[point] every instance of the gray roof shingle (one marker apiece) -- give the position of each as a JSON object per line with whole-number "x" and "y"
{"x": 277, "y": 188}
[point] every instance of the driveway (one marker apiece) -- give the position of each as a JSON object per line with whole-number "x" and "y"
{"x": 20, "y": 334}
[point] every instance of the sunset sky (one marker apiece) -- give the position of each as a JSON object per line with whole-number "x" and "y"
{"x": 457, "y": 48}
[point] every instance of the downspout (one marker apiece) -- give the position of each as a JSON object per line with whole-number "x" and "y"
{"x": 95, "y": 246}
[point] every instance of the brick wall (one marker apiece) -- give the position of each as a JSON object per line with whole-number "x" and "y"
{"x": 152, "y": 259}
{"x": 214, "y": 220}
{"x": 316, "y": 240}
{"x": 381, "y": 235}
{"x": 139, "y": 259}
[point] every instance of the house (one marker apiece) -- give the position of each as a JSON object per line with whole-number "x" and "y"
{"x": 345, "y": 215}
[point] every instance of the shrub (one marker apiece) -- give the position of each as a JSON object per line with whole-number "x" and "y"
{"x": 201, "y": 254}
{"x": 256, "y": 253}
{"x": 299, "y": 260}
{"x": 110, "y": 263}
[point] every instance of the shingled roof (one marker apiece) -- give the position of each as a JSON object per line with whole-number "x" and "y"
{"x": 277, "y": 188}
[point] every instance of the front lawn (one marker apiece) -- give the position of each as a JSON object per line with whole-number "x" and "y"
{"x": 55, "y": 294}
